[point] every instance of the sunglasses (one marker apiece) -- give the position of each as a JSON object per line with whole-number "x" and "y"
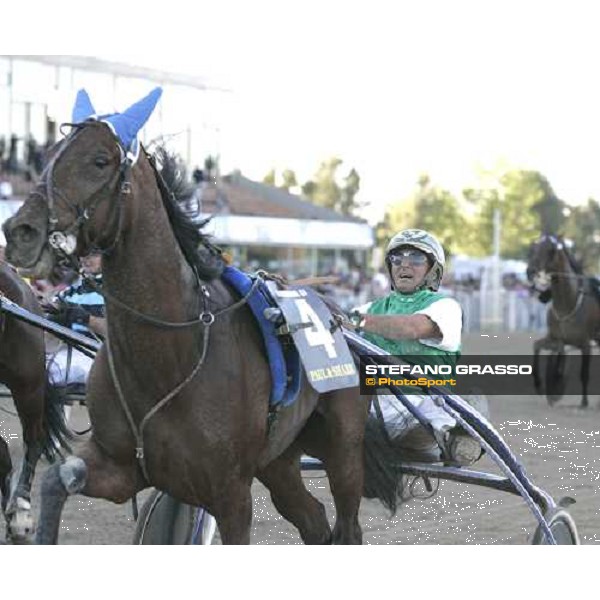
{"x": 413, "y": 257}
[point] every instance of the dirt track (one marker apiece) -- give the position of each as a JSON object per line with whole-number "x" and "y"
{"x": 559, "y": 448}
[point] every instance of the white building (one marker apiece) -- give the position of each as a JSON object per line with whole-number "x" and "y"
{"x": 37, "y": 93}
{"x": 262, "y": 226}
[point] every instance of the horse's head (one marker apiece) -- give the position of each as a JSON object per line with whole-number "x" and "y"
{"x": 543, "y": 261}
{"x": 78, "y": 205}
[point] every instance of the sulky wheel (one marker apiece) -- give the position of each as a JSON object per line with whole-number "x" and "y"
{"x": 164, "y": 520}
{"x": 562, "y": 526}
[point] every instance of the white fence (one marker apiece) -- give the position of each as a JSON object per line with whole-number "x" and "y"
{"x": 519, "y": 311}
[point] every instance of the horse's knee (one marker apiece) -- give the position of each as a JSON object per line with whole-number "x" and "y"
{"x": 73, "y": 475}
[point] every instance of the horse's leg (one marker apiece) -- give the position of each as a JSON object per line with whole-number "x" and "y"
{"x": 586, "y": 354}
{"x": 91, "y": 473}
{"x": 335, "y": 434}
{"x": 5, "y": 471}
{"x": 234, "y": 514}
{"x": 291, "y": 498}
{"x": 345, "y": 413}
{"x": 30, "y": 407}
{"x": 537, "y": 348}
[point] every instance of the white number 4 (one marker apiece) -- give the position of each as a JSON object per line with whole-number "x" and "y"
{"x": 318, "y": 334}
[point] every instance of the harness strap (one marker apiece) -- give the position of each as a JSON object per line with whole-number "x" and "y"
{"x": 206, "y": 319}
{"x": 578, "y": 302}
{"x": 139, "y": 432}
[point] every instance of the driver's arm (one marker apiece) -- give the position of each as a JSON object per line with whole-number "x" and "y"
{"x": 98, "y": 325}
{"x": 401, "y": 327}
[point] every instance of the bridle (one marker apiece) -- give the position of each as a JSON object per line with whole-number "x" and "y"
{"x": 540, "y": 274}
{"x": 64, "y": 243}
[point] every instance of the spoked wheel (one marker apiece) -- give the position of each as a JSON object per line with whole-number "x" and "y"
{"x": 164, "y": 520}
{"x": 555, "y": 376}
{"x": 563, "y": 528}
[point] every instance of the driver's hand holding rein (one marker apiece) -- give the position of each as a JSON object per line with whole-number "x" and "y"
{"x": 79, "y": 306}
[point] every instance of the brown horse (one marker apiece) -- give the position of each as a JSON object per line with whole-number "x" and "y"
{"x": 573, "y": 318}
{"x": 177, "y": 401}
{"x": 23, "y": 371}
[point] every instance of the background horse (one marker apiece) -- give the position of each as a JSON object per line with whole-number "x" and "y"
{"x": 177, "y": 402}
{"x": 573, "y": 317}
{"x": 23, "y": 371}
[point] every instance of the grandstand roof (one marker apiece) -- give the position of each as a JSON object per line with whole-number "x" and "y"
{"x": 239, "y": 195}
{"x": 91, "y": 63}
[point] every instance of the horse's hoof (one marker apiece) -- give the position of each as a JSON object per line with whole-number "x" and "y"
{"x": 20, "y": 526}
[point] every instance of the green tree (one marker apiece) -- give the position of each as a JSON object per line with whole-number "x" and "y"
{"x": 431, "y": 208}
{"x": 551, "y": 209}
{"x": 583, "y": 228}
{"x": 399, "y": 215}
{"x": 348, "y": 202}
{"x": 269, "y": 178}
{"x": 438, "y": 211}
{"x": 323, "y": 189}
{"x": 525, "y": 200}
{"x": 289, "y": 180}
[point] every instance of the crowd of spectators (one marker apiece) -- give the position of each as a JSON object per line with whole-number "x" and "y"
{"x": 521, "y": 309}
{"x": 356, "y": 287}
{"x": 18, "y": 174}
{"x": 352, "y": 287}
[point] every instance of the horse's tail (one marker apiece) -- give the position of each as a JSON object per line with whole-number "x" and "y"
{"x": 56, "y": 432}
{"x": 383, "y": 478}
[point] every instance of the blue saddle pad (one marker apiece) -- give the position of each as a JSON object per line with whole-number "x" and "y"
{"x": 283, "y": 363}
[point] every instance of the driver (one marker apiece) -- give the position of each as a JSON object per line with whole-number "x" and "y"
{"x": 415, "y": 319}
{"x": 81, "y": 308}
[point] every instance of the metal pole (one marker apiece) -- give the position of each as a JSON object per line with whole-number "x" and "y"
{"x": 188, "y": 149}
{"x": 10, "y": 97}
{"x": 496, "y": 275}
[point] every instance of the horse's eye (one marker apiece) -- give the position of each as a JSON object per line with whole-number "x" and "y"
{"x": 101, "y": 161}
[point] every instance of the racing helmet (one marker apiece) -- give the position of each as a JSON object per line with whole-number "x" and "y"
{"x": 424, "y": 241}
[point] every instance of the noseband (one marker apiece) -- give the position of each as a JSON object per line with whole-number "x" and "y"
{"x": 543, "y": 276}
{"x": 64, "y": 242}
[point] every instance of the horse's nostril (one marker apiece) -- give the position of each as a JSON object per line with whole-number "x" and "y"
{"x": 24, "y": 233}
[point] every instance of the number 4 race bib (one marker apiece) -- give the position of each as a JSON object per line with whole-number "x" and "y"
{"x": 325, "y": 355}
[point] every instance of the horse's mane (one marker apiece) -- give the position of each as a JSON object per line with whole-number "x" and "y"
{"x": 175, "y": 188}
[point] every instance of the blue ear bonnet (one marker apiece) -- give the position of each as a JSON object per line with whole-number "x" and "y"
{"x": 125, "y": 125}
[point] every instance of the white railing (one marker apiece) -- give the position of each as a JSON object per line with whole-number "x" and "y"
{"x": 519, "y": 311}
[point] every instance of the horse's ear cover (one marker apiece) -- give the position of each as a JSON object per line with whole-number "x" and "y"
{"x": 125, "y": 125}
{"x": 83, "y": 108}
{"x": 128, "y": 124}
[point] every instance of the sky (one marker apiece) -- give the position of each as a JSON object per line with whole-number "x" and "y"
{"x": 395, "y": 89}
